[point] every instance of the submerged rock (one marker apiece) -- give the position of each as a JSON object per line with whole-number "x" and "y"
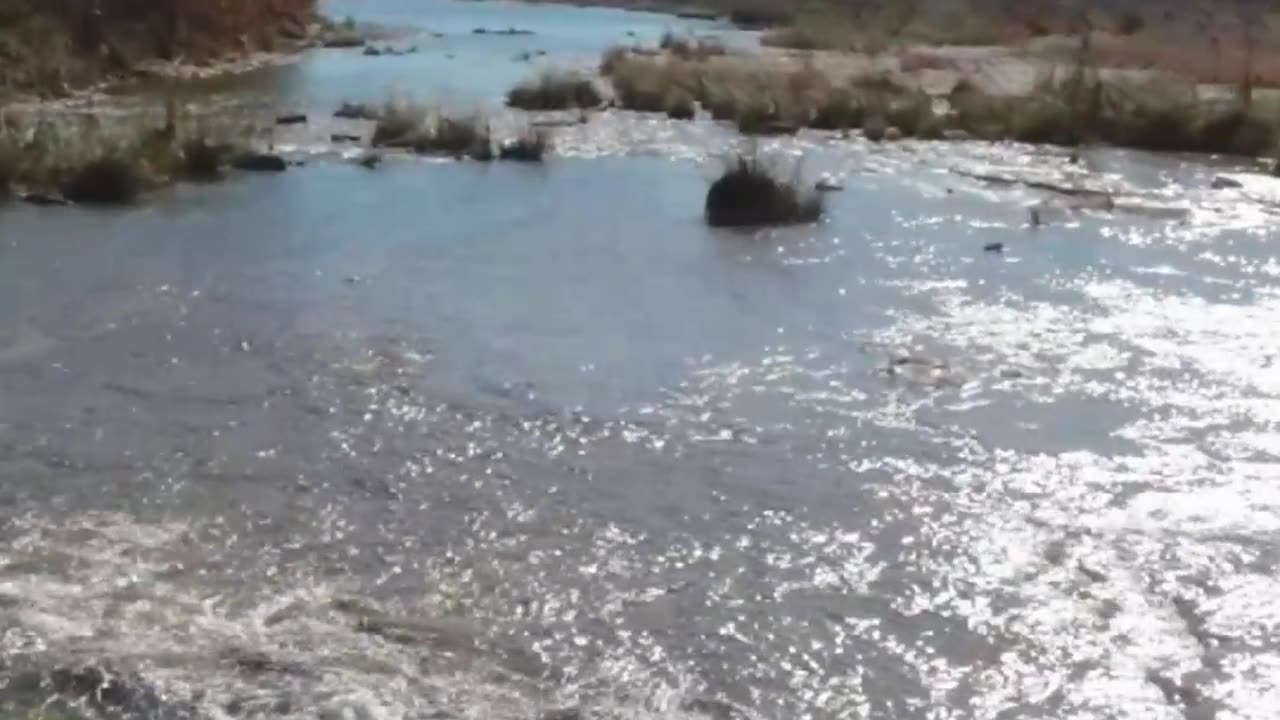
{"x": 372, "y": 51}
{"x": 892, "y": 134}
{"x": 993, "y": 247}
{"x": 292, "y": 119}
{"x": 344, "y": 137}
{"x": 356, "y": 111}
{"x": 43, "y": 199}
{"x": 1222, "y": 182}
{"x": 259, "y": 162}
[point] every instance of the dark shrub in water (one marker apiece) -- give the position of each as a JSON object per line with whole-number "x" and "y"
{"x": 750, "y": 193}
{"x": 202, "y": 160}
{"x": 111, "y": 179}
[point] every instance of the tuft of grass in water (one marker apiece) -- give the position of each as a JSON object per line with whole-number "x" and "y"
{"x": 413, "y": 127}
{"x": 764, "y": 118}
{"x": 555, "y": 90}
{"x": 912, "y": 114}
{"x": 456, "y": 136}
{"x": 531, "y": 145}
{"x": 752, "y": 193}
{"x": 758, "y": 96}
{"x": 398, "y": 124}
{"x": 839, "y": 110}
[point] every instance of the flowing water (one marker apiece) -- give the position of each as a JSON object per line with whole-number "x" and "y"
{"x": 453, "y": 440}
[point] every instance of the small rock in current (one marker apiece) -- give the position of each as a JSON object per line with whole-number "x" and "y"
{"x": 892, "y": 134}
{"x": 292, "y": 119}
{"x": 344, "y": 137}
{"x": 829, "y": 183}
{"x": 1222, "y": 182}
{"x": 956, "y": 135}
{"x": 993, "y": 247}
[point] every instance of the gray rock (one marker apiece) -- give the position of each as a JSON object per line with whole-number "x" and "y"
{"x": 259, "y": 162}
{"x": 1222, "y": 182}
{"x": 292, "y": 119}
{"x": 892, "y": 134}
{"x": 956, "y": 135}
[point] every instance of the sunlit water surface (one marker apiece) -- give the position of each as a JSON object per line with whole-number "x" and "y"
{"x": 452, "y": 440}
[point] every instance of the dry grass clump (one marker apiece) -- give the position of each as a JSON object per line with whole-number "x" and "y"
{"x": 410, "y": 126}
{"x": 1197, "y": 56}
{"x": 399, "y": 122}
{"x": 51, "y": 47}
{"x": 92, "y": 160}
{"x": 555, "y": 90}
{"x": 758, "y": 96}
{"x": 1159, "y": 114}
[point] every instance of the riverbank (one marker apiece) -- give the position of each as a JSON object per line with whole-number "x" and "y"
{"x": 54, "y": 51}
{"x": 1059, "y": 94}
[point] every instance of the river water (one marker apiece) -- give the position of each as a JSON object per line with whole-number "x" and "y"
{"x": 453, "y": 440}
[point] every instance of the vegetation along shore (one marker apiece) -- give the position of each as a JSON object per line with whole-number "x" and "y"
{"x": 956, "y": 70}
